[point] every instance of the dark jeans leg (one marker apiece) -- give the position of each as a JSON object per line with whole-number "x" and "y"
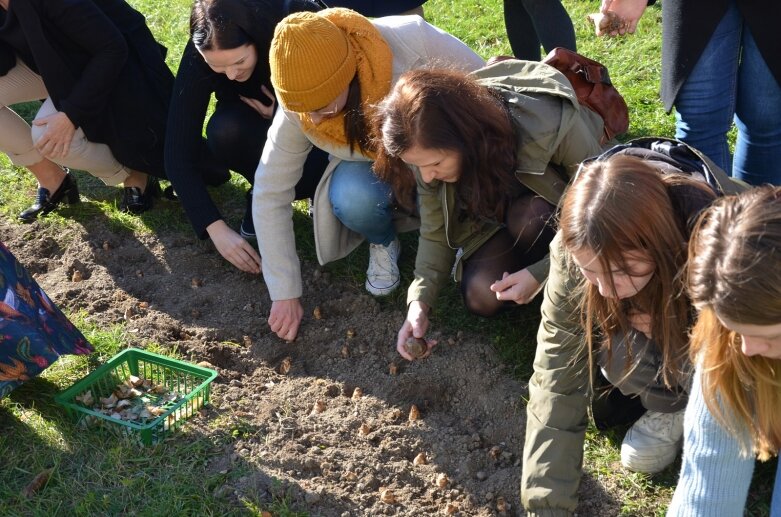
{"x": 235, "y": 135}
{"x": 610, "y": 407}
{"x": 532, "y": 22}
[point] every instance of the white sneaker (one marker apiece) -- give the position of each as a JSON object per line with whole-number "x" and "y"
{"x": 653, "y": 442}
{"x": 383, "y": 275}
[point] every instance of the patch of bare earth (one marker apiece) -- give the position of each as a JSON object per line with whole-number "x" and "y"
{"x": 327, "y": 417}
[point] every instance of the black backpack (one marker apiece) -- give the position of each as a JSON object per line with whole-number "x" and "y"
{"x": 675, "y": 156}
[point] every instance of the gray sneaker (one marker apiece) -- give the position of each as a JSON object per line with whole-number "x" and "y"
{"x": 653, "y": 442}
{"x": 383, "y": 275}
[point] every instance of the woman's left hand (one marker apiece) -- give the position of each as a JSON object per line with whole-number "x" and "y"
{"x": 56, "y": 139}
{"x": 520, "y": 287}
{"x": 265, "y": 110}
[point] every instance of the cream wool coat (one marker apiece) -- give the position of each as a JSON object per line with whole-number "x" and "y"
{"x": 414, "y": 44}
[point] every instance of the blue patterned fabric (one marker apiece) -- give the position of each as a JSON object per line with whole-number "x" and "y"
{"x": 33, "y": 331}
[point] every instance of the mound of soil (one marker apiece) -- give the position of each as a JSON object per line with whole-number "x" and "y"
{"x": 326, "y": 419}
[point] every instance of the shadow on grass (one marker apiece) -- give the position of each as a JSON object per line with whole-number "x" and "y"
{"x": 192, "y": 472}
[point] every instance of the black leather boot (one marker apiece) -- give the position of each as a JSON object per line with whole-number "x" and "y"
{"x": 45, "y": 202}
{"x": 247, "y": 228}
{"x": 136, "y": 202}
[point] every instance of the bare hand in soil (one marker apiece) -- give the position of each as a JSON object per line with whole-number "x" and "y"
{"x": 285, "y": 318}
{"x": 416, "y": 326}
{"x": 234, "y": 248}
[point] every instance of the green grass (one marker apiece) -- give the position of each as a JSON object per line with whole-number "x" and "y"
{"x": 95, "y": 474}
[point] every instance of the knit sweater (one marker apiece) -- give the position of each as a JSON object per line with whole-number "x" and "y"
{"x": 715, "y": 476}
{"x": 414, "y": 44}
{"x": 185, "y": 149}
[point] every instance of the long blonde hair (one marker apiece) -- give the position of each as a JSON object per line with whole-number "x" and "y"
{"x": 624, "y": 204}
{"x": 734, "y": 272}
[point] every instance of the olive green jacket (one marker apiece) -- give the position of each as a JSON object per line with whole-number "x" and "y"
{"x": 559, "y": 389}
{"x": 551, "y": 128}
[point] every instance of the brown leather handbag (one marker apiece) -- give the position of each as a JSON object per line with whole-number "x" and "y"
{"x": 592, "y": 85}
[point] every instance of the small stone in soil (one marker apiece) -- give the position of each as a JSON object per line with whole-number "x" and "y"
{"x": 420, "y": 459}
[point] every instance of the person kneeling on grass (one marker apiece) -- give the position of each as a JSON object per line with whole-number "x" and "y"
{"x": 486, "y": 156}
{"x": 227, "y": 56}
{"x": 614, "y": 299}
{"x": 734, "y": 281}
{"x": 106, "y": 88}
{"x": 329, "y": 69}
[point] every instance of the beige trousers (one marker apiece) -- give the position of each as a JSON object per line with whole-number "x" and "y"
{"x": 17, "y": 138}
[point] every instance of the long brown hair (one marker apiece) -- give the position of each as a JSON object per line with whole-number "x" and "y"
{"x": 448, "y": 110}
{"x": 624, "y": 204}
{"x": 734, "y": 272}
{"x": 355, "y": 127}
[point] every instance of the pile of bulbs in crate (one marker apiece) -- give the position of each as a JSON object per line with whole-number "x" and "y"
{"x": 136, "y": 400}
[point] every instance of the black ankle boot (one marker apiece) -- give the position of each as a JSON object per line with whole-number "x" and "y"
{"x": 68, "y": 191}
{"x": 247, "y": 228}
{"x": 136, "y": 202}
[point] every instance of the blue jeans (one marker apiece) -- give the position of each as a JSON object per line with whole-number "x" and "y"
{"x": 775, "y": 508}
{"x": 362, "y": 202}
{"x": 732, "y": 80}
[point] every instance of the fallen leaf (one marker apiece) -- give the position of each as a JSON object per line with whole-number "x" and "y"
{"x": 38, "y": 482}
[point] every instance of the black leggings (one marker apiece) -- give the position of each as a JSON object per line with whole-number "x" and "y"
{"x": 531, "y": 22}
{"x": 522, "y": 242}
{"x": 235, "y": 136}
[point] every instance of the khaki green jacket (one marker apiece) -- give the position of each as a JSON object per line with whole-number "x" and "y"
{"x": 551, "y": 127}
{"x": 559, "y": 389}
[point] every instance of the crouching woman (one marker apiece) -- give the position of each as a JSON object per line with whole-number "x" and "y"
{"x": 734, "y": 277}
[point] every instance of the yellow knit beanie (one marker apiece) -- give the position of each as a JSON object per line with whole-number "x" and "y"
{"x": 311, "y": 61}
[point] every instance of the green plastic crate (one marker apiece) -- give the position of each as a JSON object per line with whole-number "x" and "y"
{"x": 189, "y": 381}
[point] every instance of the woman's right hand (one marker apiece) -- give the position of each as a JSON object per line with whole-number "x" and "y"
{"x": 234, "y": 248}
{"x": 415, "y": 325}
{"x": 629, "y": 11}
{"x": 285, "y": 318}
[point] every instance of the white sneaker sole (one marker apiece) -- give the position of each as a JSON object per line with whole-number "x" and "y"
{"x": 381, "y": 291}
{"x": 647, "y": 464}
